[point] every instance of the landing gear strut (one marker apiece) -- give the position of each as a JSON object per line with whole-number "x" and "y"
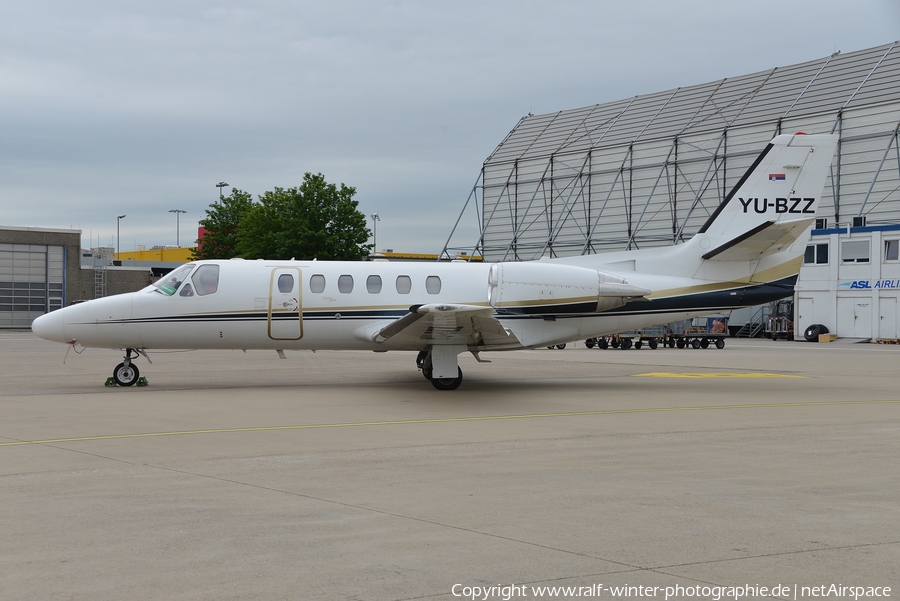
{"x": 126, "y": 373}
{"x": 447, "y": 355}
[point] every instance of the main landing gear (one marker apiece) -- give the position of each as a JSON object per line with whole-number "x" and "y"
{"x": 426, "y": 360}
{"x": 126, "y": 373}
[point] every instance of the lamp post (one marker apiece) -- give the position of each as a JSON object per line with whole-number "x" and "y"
{"x": 178, "y": 213}
{"x": 221, "y": 185}
{"x": 375, "y": 220}
{"x": 118, "y": 238}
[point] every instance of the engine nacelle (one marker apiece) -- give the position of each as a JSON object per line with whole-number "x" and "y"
{"x": 553, "y": 288}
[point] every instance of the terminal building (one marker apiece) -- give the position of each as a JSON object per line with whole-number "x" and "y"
{"x": 649, "y": 170}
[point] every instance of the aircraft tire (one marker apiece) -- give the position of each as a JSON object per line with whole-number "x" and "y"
{"x": 126, "y": 375}
{"x": 448, "y": 383}
{"x": 811, "y": 334}
{"x": 589, "y": 343}
{"x": 561, "y": 346}
{"x": 603, "y": 344}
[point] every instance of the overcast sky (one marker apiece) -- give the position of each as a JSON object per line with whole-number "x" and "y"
{"x": 137, "y": 108}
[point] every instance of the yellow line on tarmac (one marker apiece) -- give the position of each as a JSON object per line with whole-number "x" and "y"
{"x": 444, "y": 420}
{"x": 716, "y": 374}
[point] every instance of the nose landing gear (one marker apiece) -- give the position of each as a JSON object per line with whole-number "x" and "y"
{"x": 127, "y": 373}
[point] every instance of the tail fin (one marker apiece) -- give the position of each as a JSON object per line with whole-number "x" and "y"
{"x": 774, "y": 203}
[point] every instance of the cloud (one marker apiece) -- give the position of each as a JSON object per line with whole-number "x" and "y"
{"x": 143, "y": 106}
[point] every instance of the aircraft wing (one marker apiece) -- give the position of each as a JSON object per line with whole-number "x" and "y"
{"x": 765, "y": 239}
{"x": 447, "y": 324}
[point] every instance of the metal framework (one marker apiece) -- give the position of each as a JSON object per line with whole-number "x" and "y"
{"x": 648, "y": 170}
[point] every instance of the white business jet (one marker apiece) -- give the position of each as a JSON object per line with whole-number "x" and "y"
{"x": 748, "y": 252}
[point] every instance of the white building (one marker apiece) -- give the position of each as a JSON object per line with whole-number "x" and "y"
{"x": 850, "y": 282}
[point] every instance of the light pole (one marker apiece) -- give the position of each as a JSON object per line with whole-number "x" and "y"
{"x": 118, "y": 242}
{"x": 375, "y": 220}
{"x": 221, "y": 185}
{"x": 178, "y": 213}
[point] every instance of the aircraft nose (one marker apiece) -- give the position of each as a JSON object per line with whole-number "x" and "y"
{"x": 50, "y": 326}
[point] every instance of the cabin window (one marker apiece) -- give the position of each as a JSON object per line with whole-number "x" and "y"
{"x": 345, "y": 284}
{"x": 432, "y": 284}
{"x": 317, "y": 283}
{"x": 168, "y": 284}
{"x": 186, "y": 290}
{"x": 891, "y": 250}
{"x": 816, "y": 254}
{"x": 855, "y": 251}
{"x": 373, "y": 284}
{"x": 404, "y": 284}
{"x": 206, "y": 279}
{"x": 285, "y": 282}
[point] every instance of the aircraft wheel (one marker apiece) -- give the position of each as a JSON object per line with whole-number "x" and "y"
{"x": 448, "y": 383}
{"x": 720, "y": 343}
{"x": 704, "y": 343}
{"x": 561, "y": 346}
{"x": 589, "y": 343}
{"x": 811, "y": 334}
{"x": 695, "y": 343}
{"x": 603, "y": 344}
{"x": 126, "y": 375}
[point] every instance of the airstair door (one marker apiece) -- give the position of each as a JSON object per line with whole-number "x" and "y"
{"x": 285, "y": 311}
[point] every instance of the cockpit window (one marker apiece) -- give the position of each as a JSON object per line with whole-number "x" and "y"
{"x": 168, "y": 284}
{"x": 206, "y": 279}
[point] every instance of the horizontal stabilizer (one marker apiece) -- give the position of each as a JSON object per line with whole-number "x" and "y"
{"x": 765, "y": 239}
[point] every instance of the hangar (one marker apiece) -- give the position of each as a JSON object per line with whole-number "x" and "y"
{"x": 648, "y": 170}
{"x": 41, "y": 270}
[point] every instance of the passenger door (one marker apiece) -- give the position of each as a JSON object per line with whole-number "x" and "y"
{"x": 285, "y": 309}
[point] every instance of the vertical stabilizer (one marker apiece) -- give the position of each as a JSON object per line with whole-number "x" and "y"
{"x": 773, "y": 204}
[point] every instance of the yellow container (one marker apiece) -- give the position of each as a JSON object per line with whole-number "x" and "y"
{"x": 827, "y": 337}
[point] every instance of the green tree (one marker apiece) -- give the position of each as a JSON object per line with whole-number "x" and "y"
{"x": 221, "y": 223}
{"x": 315, "y": 220}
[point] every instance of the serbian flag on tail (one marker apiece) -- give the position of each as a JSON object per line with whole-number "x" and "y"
{"x": 776, "y": 177}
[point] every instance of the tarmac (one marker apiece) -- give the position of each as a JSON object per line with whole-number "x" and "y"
{"x": 346, "y": 475}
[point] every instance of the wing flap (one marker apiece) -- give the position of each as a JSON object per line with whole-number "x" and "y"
{"x": 427, "y": 325}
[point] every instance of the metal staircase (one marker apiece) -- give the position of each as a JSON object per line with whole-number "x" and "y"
{"x": 756, "y": 324}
